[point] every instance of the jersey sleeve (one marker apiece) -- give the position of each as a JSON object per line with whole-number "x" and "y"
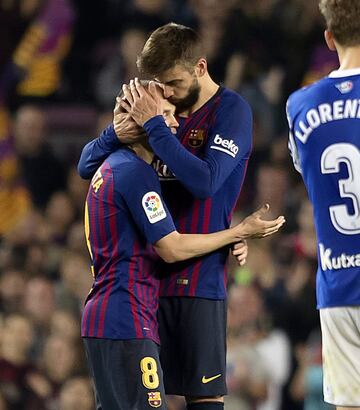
{"x": 142, "y": 195}
{"x": 228, "y": 145}
{"x": 292, "y": 143}
{"x": 96, "y": 151}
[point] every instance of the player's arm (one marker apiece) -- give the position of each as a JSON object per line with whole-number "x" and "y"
{"x": 176, "y": 247}
{"x": 96, "y": 151}
{"x": 142, "y": 195}
{"x": 228, "y": 145}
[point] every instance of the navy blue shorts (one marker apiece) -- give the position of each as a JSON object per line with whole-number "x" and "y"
{"x": 127, "y": 374}
{"x": 193, "y": 346}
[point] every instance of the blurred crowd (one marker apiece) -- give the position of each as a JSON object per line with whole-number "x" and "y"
{"x": 62, "y": 62}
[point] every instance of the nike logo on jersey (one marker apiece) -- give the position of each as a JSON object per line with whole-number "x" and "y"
{"x": 224, "y": 145}
{"x": 205, "y": 380}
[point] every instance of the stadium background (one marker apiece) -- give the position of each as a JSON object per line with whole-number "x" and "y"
{"x": 61, "y": 64}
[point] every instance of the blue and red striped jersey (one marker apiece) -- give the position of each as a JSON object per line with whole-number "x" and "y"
{"x": 124, "y": 215}
{"x": 201, "y": 185}
{"x": 201, "y": 171}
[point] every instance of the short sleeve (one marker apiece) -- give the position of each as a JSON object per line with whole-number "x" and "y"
{"x": 138, "y": 185}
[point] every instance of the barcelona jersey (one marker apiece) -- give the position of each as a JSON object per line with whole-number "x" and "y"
{"x": 201, "y": 171}
{"x": 324, "y": 121}
{"x": 124, "y": 215}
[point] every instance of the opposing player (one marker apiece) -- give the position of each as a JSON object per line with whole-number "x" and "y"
{"x": 201, "y": 170}
{"x": 324, "y": 121}
{"x": 125, "y": 213}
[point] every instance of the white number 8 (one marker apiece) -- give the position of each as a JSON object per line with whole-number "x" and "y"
{"x": 349, "y": 188}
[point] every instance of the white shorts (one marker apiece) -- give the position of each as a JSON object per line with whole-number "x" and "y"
{"x": 340, "y": 328}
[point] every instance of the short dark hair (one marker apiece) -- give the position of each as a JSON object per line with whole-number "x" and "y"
{"x": 168, "y": 46}
{"x": 343, "y": 20}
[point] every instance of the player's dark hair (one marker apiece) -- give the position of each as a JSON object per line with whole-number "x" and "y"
{"x": 167, "y": 46}
{"x": 342, "y": 19}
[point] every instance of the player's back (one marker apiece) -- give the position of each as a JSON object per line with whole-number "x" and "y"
{"x": 122, "y": 303}
{"x": 325, "y": 143}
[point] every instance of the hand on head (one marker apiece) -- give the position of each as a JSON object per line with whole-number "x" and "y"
{"x": 140, "y": 103}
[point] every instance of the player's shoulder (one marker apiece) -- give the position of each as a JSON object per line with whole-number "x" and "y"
{"x": 123, "y": 158}
{"x": 307, "y": 97}
{"x": 308, "y": 92}
{"x": 326, "y": 89}
{"x": 231, "y": 97}
{"x": 125, "y": 164}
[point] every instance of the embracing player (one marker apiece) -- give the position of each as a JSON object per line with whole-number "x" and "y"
{"x": 201, "y": 170}
{"x": 324, "y": 121}
{"x": 124, "y": 215}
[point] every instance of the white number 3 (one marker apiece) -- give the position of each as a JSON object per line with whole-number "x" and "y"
{"x": 348, "y": 224}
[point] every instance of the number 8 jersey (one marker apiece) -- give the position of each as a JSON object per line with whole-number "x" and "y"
{"x": 324, "y": 140}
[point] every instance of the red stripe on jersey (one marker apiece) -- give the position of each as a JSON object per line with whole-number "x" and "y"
{"x": 205, "y": 229}
{"x": 132, "y": 281}
{"x": 114, "y": 240}
{"x": 193, "y": 229}
{"x": 141, "y": 291}
{"x": 84, "y": 321}
{"x": 86, "y": 310}
{"x": 93, "y": 230}
{"x": 173, "y": 278}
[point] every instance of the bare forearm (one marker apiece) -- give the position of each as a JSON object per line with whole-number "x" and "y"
{"x": 177, "y": 247}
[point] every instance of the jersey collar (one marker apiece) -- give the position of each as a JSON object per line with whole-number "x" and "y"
{"x": 344, "y": 73}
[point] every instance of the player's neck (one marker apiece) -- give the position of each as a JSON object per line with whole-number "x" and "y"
{"x": 143, "y": 151}
{"x": 208, "y": 89}
{"x": 349, "y": 57}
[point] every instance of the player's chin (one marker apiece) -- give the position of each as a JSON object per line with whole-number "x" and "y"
{"x": 173, "y": 130}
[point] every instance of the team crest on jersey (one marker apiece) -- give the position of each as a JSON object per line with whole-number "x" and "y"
{"x": 153, "y": 207}
{"x": 154, "y": 399}
{"x": 345, "y": 87}
{"x": 196, "y": 138}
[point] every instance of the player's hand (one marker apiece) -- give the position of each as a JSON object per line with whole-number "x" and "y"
{"x": 254, "y": 226}
{"x": 140, "y": 103}
{"x": 240, "y": 251}
{"x": 125, "y": 127}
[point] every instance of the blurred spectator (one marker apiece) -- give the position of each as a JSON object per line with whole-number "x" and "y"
{"x": 59, "y": 213}
{"x": 59, "y": 362}
{"x": 15, "y": 198}
{"x": 77, "y": 189}
{"x": 307, "y": 384}
{"x": 34, "y": 69}
{"x": 247, "y": 377}
{"x": 64, "y": 324}
{"x": 41, "y": 170}
{"x": 272, "y": 186}
{"x": 150, "y": 14}
{"x": 39, "y": 306}
{"x": 15, "y": 366}
{"x": 75, "y": 239}
{"x": 75, "y": 284}
{"x": 76, "y": 394}
{"x": 12, "y": 289}
{"x": 119, "y": 67}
